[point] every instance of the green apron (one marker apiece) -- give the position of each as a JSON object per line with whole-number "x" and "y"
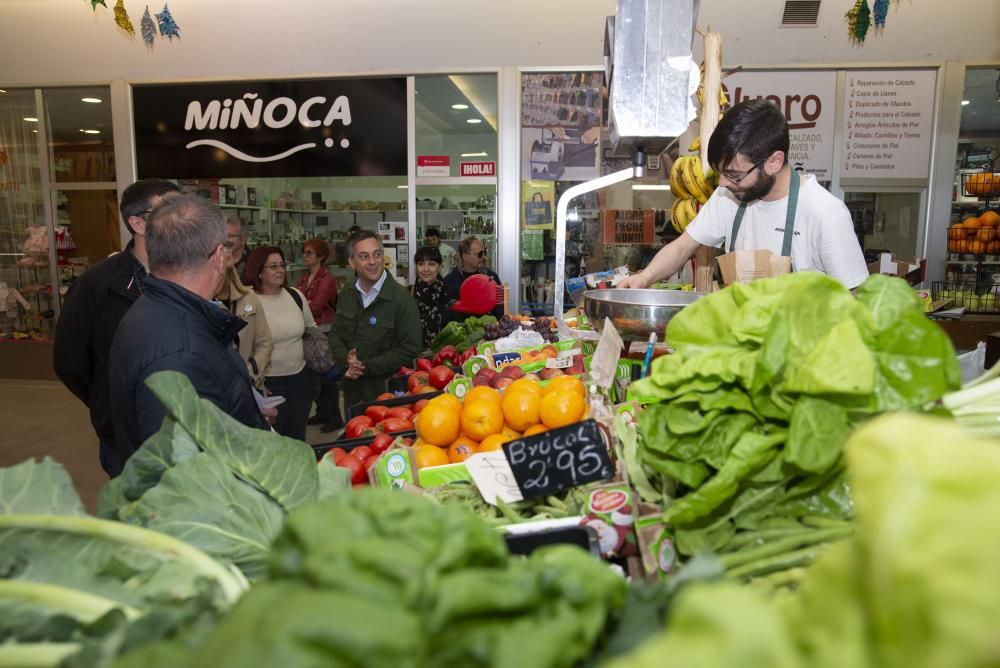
{"x": 793, "y": 200}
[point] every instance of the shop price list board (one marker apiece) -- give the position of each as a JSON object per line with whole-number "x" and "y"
{"x": 889, "y": 117}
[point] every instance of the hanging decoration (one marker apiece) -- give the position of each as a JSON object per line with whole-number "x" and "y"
{"x": 859, "y": 19}
{"x": 881, "y": 9}
{"x": 168, "y": 27}
{"x": 122, "y": 19}
{"x": 148, "y": 28}
{"x": 94, "y": 3}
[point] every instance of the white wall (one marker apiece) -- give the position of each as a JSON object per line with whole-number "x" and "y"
{"x": 64, "y": 41}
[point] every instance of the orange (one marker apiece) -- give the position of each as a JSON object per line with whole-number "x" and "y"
{"x": 508, "y": 431}
{"x": 438, "y": 424}
{"x": 491, "y": 443}
{"x": 972, "y": 222}
{"x": 561, "y": 408}
{"x": 520, "y": 408}
{"x": 449, "y": 400}
{"x": 480, "y": 418}
{"x": 431, "y": 455}
{"x": 990, "y": 219}
{"x": 525, "y": 384}
{"x": 537, "y": 429}
{"x": 463, "y": 448}
{"x": 565, "y": 383}
{"x": 482, "y": 392}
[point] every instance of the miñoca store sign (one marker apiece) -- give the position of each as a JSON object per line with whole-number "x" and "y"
{"x": 330, "y": 127}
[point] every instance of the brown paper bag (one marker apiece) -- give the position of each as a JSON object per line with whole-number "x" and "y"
{"x": 744, "y": 266}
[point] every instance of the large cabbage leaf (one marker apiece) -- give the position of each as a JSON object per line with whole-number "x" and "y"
{"x": 41, "y": 488}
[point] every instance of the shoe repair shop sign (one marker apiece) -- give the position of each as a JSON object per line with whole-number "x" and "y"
{"x": 316, "y": 127}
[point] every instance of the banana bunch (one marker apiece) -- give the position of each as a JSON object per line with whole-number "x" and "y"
{"x": 688, "y": 180}
{"x": 682, "y": 213}
{"x": 723, "y": 98}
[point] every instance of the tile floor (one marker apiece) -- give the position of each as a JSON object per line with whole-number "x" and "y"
{"x": 42, "y": 418}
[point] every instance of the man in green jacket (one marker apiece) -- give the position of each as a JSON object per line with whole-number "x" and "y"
{"x": 377, "y": 326}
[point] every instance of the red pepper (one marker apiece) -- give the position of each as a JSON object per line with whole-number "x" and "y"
{"x": 404, "y": 371}
{"x": 424, "y": 364}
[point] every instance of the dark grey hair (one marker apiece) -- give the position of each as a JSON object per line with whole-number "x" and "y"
{"x": 233, "y": 219}
{"x": 358, "y": 237}
{"x": 182, "y": 233}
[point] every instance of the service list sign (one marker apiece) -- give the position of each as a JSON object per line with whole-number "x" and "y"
{"x": 889, "y": 116}
{"x": 808, "y": 101}
{"x": 315, "y": 127}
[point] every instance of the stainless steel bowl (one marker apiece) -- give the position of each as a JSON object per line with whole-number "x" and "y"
{"x": 636, "y": 313}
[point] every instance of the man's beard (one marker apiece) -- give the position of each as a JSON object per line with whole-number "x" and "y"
{"x": 763, "y": 186}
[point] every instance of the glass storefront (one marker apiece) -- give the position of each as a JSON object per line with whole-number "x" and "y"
{"x": 44, "y": 248}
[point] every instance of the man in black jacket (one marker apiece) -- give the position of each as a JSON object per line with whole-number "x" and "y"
{"x": 96, "y": 303}
{"x": 175, "y": 326}
{"x": 471, "y": 261}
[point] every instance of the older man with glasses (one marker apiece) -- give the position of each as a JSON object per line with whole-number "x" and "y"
{"x": 472, "y": 261}
{"x": 177, "y": 326}
{"x": 763, "y": 204}
{"x": 94, "y": 307}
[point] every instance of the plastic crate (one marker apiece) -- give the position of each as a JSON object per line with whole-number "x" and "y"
{"x": 984, "y": 298}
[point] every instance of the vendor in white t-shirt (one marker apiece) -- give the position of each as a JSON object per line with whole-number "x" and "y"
{"x": 762, "y": 204}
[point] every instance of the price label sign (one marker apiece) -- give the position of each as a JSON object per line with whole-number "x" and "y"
{"x": 492, "y": 475}
{"x": 559, "y": 459}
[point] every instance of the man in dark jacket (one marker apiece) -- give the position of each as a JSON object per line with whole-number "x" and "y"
{"x": 174, "y": 326}
{"x": 377, "y": 326}
{"x": 471, "y": 261}
{"x": 96, "y": 303}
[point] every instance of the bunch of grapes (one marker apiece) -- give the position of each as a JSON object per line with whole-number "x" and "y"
{"x": 544, "y": 327}
{"x": 507, "y": 326}
{"x": 503, "y": 327}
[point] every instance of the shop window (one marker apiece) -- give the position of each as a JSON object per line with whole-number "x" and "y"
{"x": 974, "y": 254}
{"x": 885, "y": 222}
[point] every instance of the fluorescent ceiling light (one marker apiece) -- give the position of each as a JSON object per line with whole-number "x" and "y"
{"x": 474, "y": 120}
{"x": 2, "y": 90}
{"x": 459, "y": 106}
{"x": 965, "y": 102}
{"x": 91, "y": 100}
{"x": 478, "y": 154}
{"x": 403, "y": 187}
{"x": 641, "y": 186}
{"x": 30, "y": 119}
{"x": 90, "y": 132}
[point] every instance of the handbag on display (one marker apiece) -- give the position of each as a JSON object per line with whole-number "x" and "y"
{"x": 537, "y": 211}
{"x": 315, "y": 345}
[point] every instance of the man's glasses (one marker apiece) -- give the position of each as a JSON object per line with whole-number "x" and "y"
{"x": 226, "y": 245}
{"x": 736, "y": 179}
{"x": 275, "y": 266}
{"x": 480, "y": 254}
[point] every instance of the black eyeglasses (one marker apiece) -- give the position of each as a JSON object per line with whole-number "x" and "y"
{"x": 736, "y": 179}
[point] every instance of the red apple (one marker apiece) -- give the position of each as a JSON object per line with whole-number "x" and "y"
{"x": 549, "y": 374}
{"x": 502, "y": 382}
{"x": 480, "y": 379}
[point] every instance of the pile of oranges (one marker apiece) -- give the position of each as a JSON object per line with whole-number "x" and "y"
{"x": 450, "y": 430}
{"x": 976, "y": 234}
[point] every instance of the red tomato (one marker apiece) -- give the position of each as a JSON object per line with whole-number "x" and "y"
{"x": 440, "y": 376}
{"x": 381, "y": 443}
{"x": 384, "y": 396}
{"x": 424, "y": 364}
{"x": 416, "y": 379}
{"x": 407, "y": 441}
{"x": 356, "y": 425}
{"x": 356, "y": 467}
{"x": 401, "y": 412}
{"x": 361, "y": 452}
{"x": 370, "y": 461}
{"x": 338, "y": 454}
{"x": 419, "y": 406}
{"x": 392, "y": 425}
{"x": 377, "y": 413}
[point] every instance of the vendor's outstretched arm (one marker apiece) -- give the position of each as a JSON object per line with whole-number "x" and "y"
{"x": 667, "y": 262}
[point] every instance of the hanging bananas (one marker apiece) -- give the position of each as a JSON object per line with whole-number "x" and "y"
{"x": 682, "y": 213}
{"x": 688, "y": 180}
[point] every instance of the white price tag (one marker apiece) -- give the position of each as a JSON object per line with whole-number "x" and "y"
{"x": 492, "y": 475}
{"x": 605, "y": 359}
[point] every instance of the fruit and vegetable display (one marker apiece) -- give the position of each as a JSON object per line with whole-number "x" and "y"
{"x": 742, "y": 439}
{"x": 977, "y": 235}
{"x": 572, "y": 503}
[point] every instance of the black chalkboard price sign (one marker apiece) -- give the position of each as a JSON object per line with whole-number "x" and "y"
{"x": 559, "y": 459}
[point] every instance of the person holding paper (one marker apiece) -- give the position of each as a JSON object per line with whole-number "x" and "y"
{"x": 762, "y": 204}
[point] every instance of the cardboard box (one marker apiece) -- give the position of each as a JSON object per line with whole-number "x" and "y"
{"x": 913, "y": 271}
{"x": 744, "y": 266}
